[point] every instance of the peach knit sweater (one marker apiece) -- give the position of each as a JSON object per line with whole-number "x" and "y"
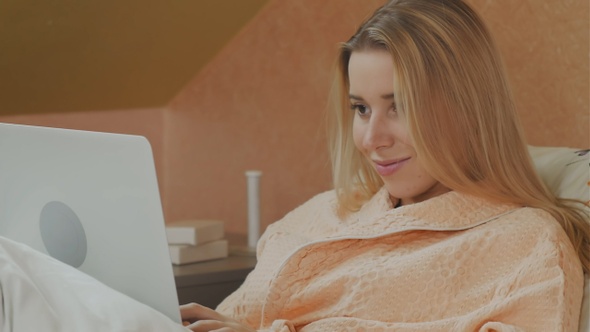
{"x": 451, "y": 263}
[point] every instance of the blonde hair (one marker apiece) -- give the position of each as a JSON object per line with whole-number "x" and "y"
{"x": 460, "y": 112}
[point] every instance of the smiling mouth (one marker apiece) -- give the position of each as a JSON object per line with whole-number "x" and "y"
{"x": 390, "y": 167}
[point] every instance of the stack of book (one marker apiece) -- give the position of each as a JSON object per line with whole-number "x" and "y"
{"x": 197, "y": 240}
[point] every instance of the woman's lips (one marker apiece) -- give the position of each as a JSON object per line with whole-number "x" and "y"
{"x": 385, "y": 168}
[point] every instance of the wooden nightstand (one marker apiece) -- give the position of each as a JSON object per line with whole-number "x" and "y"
{"x": 208, "y": 283}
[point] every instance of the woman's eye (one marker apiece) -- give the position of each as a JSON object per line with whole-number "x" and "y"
{"x": 360, "y": 109}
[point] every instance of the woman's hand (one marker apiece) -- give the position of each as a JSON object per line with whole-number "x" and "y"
{"x": 199, "y": 318}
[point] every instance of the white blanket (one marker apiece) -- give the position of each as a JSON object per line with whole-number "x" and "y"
{"x": 39, "y": 293}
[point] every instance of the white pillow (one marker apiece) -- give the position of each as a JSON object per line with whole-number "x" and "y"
{"x": 40, "y": 293}
{"x": 566, "y": 172}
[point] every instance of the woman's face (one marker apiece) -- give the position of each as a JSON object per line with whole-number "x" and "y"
{"x": 380, "y": 132}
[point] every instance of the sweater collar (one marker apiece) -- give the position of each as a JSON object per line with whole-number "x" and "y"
{"x": 449, "y": 211}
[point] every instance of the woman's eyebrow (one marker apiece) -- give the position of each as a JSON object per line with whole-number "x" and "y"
{"x": 385, "y": 96}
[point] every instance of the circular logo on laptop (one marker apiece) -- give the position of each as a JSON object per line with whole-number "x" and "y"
{"x": 63, "y": 234}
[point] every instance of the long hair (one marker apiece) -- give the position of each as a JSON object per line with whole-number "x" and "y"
{"x": 452, "y": 88}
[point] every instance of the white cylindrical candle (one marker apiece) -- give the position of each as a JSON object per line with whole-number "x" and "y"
{"x": 253, "y": 178}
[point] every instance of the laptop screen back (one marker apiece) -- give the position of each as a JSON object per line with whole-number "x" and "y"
{"x": 92, "y": 201}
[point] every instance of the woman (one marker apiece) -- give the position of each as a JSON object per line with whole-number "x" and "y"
{"x": 438, "y": 220}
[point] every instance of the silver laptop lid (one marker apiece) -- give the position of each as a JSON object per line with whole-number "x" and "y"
{"x": 92, "y": 201}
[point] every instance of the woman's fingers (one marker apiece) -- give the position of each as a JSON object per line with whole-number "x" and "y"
{"x": 193, "y": 311}
{"x": 200, "y": 318}
{"x": 217, "y": 326}
{"x": 207, "y": 325}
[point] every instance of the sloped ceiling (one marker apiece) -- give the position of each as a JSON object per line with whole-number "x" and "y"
{"x": 76, "y": 55}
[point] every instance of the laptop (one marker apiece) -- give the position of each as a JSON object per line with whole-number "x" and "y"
{"x": 91, "y": 200}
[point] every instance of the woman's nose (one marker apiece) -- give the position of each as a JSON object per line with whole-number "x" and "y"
{"x": 378, "y": 133}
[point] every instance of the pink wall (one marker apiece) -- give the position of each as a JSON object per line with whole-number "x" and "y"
{"x": 545, "y": 46}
